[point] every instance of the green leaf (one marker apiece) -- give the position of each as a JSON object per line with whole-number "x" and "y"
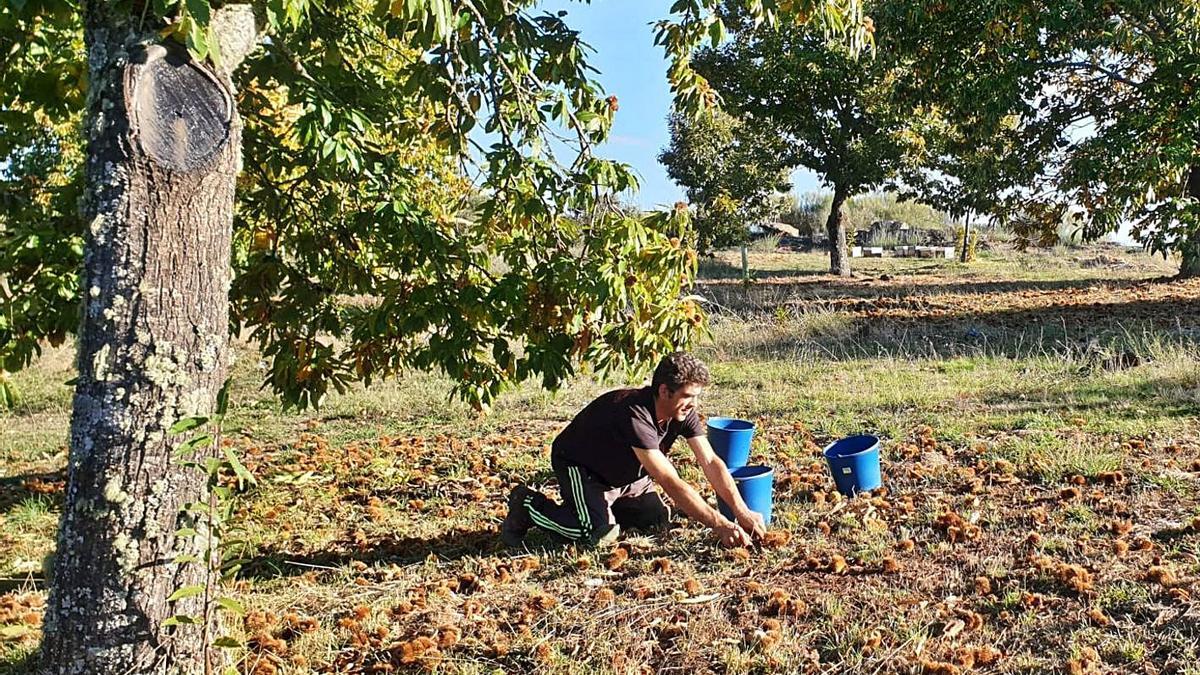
{"x": 223, "y": 397}
{"x": 227, "y": 642}
{"x": 295, "y": 478}
{"x": 716, "y": 32}
{"x": 187, "y": 424}
{"x": 275, "y": 15}
{"x": 197, "y": 507}
{"x": 239, "y": 470}
{"x": 186, "y": 592}
{"x": 441, "y": 18}
{"x": 181, "y": 619}
{"x": 8, "y": 394}
{"x": 185, "y": 559}
{"x": 231, "y": 605}
{"x": 212, "y": 466}
{"x": 197, "y": 40}
{"x": 214, "y": 46}
{"x": 296, "y": 10}
{"x": 230, "y": 569}
{"x": 200, "y": 12}
{"x": 194, "y": 443}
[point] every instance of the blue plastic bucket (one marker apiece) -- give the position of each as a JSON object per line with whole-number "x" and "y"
{"x": 854, "y": 463}
{"x": 730, "y": 439}
{"x": 754, "y": 484}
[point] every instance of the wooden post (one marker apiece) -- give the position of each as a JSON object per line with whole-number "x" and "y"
{"x": 966, "y": 238}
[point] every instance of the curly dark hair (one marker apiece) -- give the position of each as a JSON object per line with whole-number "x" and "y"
{"x": 679, "y": 369}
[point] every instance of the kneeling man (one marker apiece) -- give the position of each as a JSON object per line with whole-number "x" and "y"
{"x": 611, "y": 455}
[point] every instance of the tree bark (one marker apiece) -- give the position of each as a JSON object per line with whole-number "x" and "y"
{"x": 1189, "y": 266}
{"x": 1189, "y": 248}
{"x": 164, "y": 149}
{"x": 835, "y": 227}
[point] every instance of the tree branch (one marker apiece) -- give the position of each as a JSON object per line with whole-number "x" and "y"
{"x": 1094, "y": 67}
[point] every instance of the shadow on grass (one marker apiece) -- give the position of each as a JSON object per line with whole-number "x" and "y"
{"x": 1124, "y": 401}
{"x": 452, "y": 545}
{"x": 941, "y": 332}
{"x": 813, "y": 285}
{"x": 984, "y": 287}
{"x": 448, "y": 546}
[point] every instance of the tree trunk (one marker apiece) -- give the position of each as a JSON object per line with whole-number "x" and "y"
{"x": 1189, "y": 265}
{"x": 164, "y": 149}
{"x": 1189, "y": 248}
{"x": 966, "y": 247}
{"x": 839, "y": 260}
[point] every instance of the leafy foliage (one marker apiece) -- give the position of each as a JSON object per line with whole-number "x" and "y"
{"x": 700, "y": 21}
{"x": 730, "y": 172}
{"x": 963, "y": 170}
{"x": 810, "y": 212}
{"x": 42, "y": 84}
{"x": 834, "y": 110}
{"x": 377, "y": 229}
{"x": 1100, "y": 98}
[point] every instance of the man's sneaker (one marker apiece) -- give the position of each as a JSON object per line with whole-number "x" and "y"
{"x": 517, "y": 522}
{"x": 603, "y": 538}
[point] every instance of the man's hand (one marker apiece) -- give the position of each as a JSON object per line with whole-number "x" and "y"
{"x": 752, "y": 522}
{"x": 731, "y": 534}
{"x": 722, "y": 483}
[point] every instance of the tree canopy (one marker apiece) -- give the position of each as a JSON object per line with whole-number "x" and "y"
{"x": 360, "y": 159}
{"x": 833, "y": 109}
{"x": 828, "y": 108}
{"x": 1035, "y": 113}
{"x": 731, "y": 173}
{"x": 1099, "y": 98}
{"x": 42, "y": 89}
{"x": 363, "y": 179}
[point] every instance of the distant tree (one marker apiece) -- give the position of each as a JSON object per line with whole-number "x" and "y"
{"x": 731, "y": 172}
{"x": 966, "y": 173}
{"x": 803, "y": 212}
{"x": 833, "y": 109}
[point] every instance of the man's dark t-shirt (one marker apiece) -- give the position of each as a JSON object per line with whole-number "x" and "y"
{"x": 603, "y": 435}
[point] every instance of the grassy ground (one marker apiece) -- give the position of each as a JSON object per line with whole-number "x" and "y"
{"x": 1042, "y": 511}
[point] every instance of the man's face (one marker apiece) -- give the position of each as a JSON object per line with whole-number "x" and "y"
{"x": 680, "y": 403}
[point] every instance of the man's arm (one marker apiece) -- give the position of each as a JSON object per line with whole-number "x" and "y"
{"x": 659, "y": 468}
{"x": 722, "y": 483}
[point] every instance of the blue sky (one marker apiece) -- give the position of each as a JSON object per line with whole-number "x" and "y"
{"x": 632, "y": 68}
